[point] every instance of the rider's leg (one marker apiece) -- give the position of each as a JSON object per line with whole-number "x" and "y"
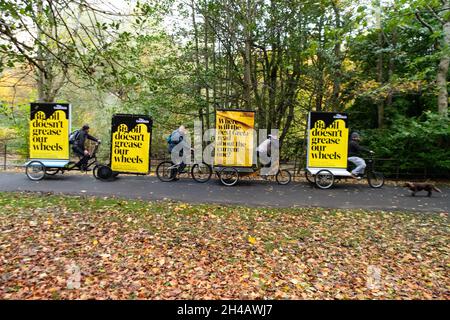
{"x": 84, "y": 163}
{"x": 81, "y": 156}
{"x": 182, "y": 163}
{"x": 360, "y": 165}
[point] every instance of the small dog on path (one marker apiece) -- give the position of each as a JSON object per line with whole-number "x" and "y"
{"x": 416, "y": 187}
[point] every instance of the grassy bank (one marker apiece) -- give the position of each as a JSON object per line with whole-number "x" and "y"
{"x": 164, "y": 250}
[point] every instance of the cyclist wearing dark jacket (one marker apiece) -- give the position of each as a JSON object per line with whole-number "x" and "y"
{"x": 354, "y": 153}
{"x": 79, "y": 147}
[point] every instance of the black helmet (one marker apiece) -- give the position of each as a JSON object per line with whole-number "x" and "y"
{"x": 85, "y": 127}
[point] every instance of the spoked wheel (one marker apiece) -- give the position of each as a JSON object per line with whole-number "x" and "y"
{"x": 35, "y": 171}
{"x": 229, "y": 176}
{"x": 201, "y": 172}
{"x": 51, "y": 172}
{"x": 103, "y": 172}
{"x": 284, "y": 177}
{"x": 309, "y": 177}
{"x": 166, "y": 171}
{"x": 375, "y": 179}
{"x": 324, "y": 179}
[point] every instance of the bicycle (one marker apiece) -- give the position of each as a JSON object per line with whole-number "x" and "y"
{"x": 325, "y": 178}
{"x": 229, "y": 176}
{"x": 168, "y": 171}
{"x": 37, "y": 170}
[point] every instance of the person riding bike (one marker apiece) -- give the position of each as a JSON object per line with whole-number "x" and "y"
{"x": 178, "y": 139}
{"x": 264, "y": 152}
{"x": 354, "y": 152}
{"x": 79, "y": 147}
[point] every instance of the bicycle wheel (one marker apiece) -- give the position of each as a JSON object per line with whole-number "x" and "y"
{"x": 35, "y": 171}
{"x": 324, "y": 179}
{"x": 229, "y": 176}
{"x": 104, "y": 173}
{"x": 201, "y": 172}
{"x": 375, "y": 179}
{"x": 283, "y": 177}
{"x": 95, "y": 170}
{"x": 309, "y": 177}
{"x": 166, "y": 171}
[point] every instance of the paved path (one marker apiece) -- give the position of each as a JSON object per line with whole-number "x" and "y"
{"x": 250, "y": 193}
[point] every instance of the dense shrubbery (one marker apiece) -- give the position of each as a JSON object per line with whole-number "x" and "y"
{"x": 417, "y": 144}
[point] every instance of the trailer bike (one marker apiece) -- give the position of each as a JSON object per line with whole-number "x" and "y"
{"x": 37, "y": 170}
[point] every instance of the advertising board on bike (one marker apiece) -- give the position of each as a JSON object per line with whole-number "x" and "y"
{"x": 130, "y": 143}
{"x": 234, "y": 146}
{"x": 49, "y": 131}
{"x": 328, "y": 135}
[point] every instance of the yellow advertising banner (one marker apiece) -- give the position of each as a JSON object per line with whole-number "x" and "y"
{"x": 130, "y": 145}
{"x": 49, "y": 131}
{"x": 327, "y": 140}
{"x": 234, "y": 138}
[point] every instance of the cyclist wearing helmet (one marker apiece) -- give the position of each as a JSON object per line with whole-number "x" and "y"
{"x": 354, "y": 152}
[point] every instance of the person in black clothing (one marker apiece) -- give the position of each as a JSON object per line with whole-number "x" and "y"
{"x": 354, "y": 152}
{"x": 79, "y": 147}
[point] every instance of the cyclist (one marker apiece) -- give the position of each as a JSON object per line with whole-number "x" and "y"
{"x": 79, "y": 147}
{"x": 177, "y": 141}
{"x": 264, "y": 152}
{"x": 354, "y": 152}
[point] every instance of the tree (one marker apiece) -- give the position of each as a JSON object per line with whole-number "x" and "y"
{"x": 53, "y": 36}
{"x": 435, "y": 17}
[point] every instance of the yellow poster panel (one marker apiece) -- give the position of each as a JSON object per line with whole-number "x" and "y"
{"x": 328, "y": 140}
{"x": 49, "y": 132}
{"x": 130, "y": 149}
{"x": 234, "y": 138}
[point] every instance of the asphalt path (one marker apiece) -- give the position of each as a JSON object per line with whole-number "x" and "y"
{"x": 248, "y": 193}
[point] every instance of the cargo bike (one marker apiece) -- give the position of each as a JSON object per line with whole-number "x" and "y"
{"x": 37, "y": 170}
{"x": 230, "y": 176}
{"x": 325, "y": 178}
{"x": 327, "y": 152}
{"x": 130, "y": 152}
{"x": 234, "y": 151}
{"x": 50, "y": 125}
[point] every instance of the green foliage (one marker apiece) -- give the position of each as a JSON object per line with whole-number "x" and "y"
{"x": 281, "y": 58}
{"x": 415, "y": 143}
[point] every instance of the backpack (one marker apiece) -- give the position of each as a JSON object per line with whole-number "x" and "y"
{"x": 169, "y": 139}
{"x": 73, "y": 137}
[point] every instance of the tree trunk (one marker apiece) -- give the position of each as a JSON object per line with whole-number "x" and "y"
{"x": 247, "y": 56}
{"x": 335, "y": 97}
{"x": 380, "y": 105}
{"x": 443, "y": 71}
{"x": 207, "y": 73}
{"x": 197, "y": 89}
{"x": 391, "y": 70}
{"x": 214, "y": 62}
{"x": 40, "y": 73}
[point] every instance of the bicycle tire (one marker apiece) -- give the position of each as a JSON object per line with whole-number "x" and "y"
{"x": 206, "y": 172}
{"x": 225, "y": 174}
{"x": 279, "y": 175}
{"x": 375, "y": 179}
{"x": 165, "y": 173}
